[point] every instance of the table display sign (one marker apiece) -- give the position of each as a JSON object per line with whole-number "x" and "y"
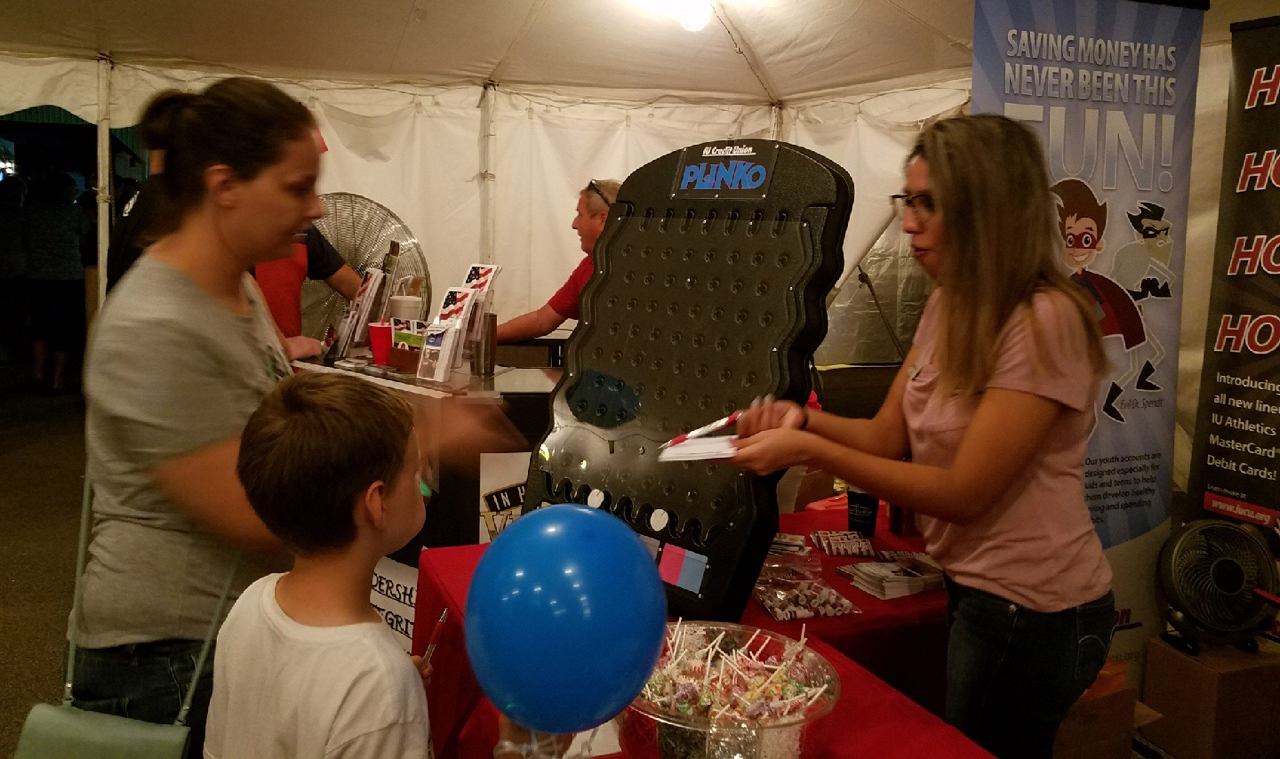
{"x": 1110, "y": 87}
{"x": 393, "y": 596}
{"x": 1235, "y": 457}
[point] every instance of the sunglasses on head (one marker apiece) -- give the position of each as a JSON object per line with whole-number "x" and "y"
{"x": 593, "y": 187}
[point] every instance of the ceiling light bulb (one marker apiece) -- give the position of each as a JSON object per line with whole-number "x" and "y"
{"x": 695, "y": 15}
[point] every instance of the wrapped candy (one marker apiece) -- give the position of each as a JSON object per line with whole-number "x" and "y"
{"x": 801, "y": 600}
{"x": 721, "y": 681}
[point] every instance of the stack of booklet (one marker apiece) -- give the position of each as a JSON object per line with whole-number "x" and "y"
{"x": 785, "y": 543}
{"x": 894, "y": 579}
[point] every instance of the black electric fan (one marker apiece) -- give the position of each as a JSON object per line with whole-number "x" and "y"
{"x": 362, "y": 231}
{"x": 1219, "y": 580}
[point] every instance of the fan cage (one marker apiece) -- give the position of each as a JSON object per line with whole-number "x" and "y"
{"x": 361, "y": 230}
{"x": 1209, "y": 572}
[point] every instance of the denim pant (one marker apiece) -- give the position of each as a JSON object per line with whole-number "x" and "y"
{"x": 146, "y": 681}
{"x": 1013, "y": 673}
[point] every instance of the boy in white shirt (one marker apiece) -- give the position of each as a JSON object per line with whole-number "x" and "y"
{"x": 305, "y": 668}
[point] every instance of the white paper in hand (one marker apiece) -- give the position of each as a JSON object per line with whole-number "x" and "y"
{"x": 700, "y": 449}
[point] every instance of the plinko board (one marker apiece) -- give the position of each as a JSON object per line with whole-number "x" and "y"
{"x": 708, "y": 291}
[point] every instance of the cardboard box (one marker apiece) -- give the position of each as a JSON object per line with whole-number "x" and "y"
{"x": 1098, "y": 728}
{"x": 1110, "y": 680}
{"x": 1144, "y": 715}
{"x": 1222, "y": 704}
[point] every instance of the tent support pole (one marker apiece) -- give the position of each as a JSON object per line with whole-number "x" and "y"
{"x": 488, "y": 213}
{"x": 104, "y": 176}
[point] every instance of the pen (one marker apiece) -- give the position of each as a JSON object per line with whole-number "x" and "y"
{"x": 431, "y": 642}
{"x": 715, "y": 426}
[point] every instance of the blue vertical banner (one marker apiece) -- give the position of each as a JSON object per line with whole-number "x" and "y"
{"x": 1110, "y": 87}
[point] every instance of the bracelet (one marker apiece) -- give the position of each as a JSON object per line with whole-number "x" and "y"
{"x": 804, "y": 412}
{"x": 509, "y": 747}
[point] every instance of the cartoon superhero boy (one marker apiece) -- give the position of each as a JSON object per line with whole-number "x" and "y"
{"x": 1082, "y": 220}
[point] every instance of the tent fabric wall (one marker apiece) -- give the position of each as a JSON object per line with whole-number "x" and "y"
{"x": 870, "y": 137}
{"x": 421, "y": 160}
{"x": 547, "y": 150}
{"x": 65, "y": 82}
{"x": 874, "y": 323}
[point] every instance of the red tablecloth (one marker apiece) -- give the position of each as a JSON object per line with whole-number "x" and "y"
{"x": 902, "y": 641}
{"x": 871, "y": 718}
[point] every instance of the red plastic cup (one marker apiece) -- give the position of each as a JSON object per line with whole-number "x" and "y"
{"x": 380, "y": 342}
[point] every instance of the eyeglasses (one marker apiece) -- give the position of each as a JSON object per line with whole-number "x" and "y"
{"x": 921, "y": 205}
{"x": 593, "y": 187}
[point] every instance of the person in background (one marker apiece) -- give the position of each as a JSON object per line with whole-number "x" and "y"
{"x": 126, "y": 189}
{"x": 13, "y": 271}
{"x": 593, "y": 209}
{"x": 994, "y": 403}
{"x": 281, "y": 281}
{"x": 134, "y": 230}
{"x": 52, "y": 232}
{"x": 183, "y": 352}
{"x": 87, "y": 205}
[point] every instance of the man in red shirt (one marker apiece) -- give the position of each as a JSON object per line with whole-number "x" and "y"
{"x": 593, "y": 209}
{"x": 281, "y": 280}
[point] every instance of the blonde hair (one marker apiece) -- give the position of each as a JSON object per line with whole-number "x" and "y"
{"x": 991, "y": 190}
{"x": 600, "y": 194}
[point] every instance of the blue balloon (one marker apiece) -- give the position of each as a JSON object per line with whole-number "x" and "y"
{"x": 565, "y": 618}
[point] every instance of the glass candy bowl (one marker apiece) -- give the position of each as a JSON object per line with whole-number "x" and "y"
{"x": 763, "y": 696}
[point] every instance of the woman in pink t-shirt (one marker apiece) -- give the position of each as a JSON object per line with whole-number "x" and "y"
{"x": 994, "y": 405}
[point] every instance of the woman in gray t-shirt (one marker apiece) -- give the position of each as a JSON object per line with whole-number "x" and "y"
{"x": 183, "y": 352}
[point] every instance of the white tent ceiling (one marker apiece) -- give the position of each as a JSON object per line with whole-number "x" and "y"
{"x": 778, "y": 51}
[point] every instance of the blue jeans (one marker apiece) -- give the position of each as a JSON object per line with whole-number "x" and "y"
{"x": 1013, "y": 673}
{"x": 146, "y": 681}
